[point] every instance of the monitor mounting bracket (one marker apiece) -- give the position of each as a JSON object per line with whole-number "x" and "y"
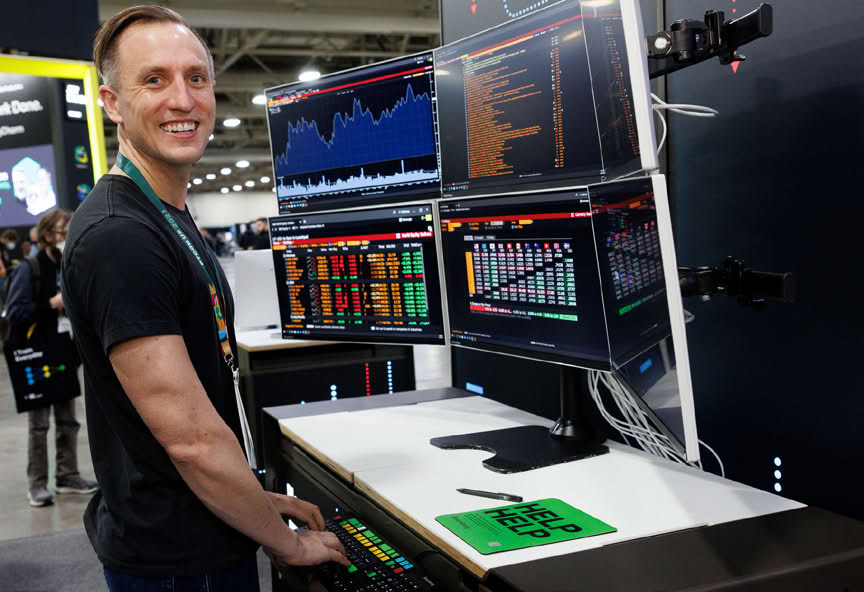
{"x": 689, "y": 42}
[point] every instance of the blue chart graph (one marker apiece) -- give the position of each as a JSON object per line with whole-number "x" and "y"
{"x": 310, "y": 162}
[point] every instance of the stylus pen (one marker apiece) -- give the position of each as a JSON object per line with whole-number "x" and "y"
{"x": 507, "y": 497}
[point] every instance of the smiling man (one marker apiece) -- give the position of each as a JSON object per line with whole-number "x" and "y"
{"x": 179, "y": 507}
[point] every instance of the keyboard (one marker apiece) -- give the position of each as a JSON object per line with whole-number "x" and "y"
{"x": 376, "y": 566}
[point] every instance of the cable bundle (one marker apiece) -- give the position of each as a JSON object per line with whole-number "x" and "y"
{"x": 635, "y": 424}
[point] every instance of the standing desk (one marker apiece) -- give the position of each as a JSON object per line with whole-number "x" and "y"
{"x": 678, "y": 528}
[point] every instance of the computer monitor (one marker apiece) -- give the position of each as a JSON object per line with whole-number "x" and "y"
{"x": 368, "y": 275}
{"x": 557, "y": 97}
{"x": 584, "y": 277}
{"x": 356, "y": 138}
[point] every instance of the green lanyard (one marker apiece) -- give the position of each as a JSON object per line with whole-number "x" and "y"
{"x": 221, "y": 326}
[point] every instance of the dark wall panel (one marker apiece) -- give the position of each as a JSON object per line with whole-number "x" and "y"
{"x": 52, "y": 28}
{"x": 462, "y": 18}
{"x": 776, "y": 180}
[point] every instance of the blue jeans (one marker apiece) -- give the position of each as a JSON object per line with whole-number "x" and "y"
{"x": 242, "y": 578}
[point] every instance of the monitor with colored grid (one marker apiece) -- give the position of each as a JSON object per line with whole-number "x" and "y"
{"x": 366, "y": 275}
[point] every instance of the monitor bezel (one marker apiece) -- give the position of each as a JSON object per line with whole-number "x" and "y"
{"x": 637, "y": 61}
{"x": 438, "y": 258}
{"x": 385, "y": 200}
{"x": 676, "y": 317}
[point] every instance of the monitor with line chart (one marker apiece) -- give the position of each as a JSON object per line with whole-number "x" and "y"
{"x": 360, "y": 137}
{"x": 556, "y": 97}
{"x": 367, "y": 275}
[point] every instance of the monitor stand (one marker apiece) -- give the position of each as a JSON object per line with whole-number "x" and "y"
{"x": 532, "y": 447}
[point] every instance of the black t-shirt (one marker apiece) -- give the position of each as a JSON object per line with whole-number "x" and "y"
{"x": 126, "y": 274}
{"x": 262, "y": 240}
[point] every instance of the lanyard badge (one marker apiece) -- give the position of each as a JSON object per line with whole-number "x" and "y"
{"x": 216, "y": 299}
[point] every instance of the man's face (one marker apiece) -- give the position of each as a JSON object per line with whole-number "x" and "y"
{"x": 57, "y": 234}
{"x": 165, "y": 103}
{"x": 260, "y": 226}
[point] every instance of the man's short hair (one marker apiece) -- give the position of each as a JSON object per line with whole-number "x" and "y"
{"x": 9, "y": 234}
{"x": 264, "y": 220}
{"x": 105, "y": 43}
{"x": 48, "y": 222}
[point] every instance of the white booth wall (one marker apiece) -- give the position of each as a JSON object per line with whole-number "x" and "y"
{"x": 237, "y": 207}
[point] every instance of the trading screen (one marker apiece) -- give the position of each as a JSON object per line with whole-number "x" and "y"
{"x": 522, "y": 276}
{"x": 536, "y": 101}
{"x": 572, "y": 276}
{"x": 360, "y": 137}
{"x": 370, "y": 275}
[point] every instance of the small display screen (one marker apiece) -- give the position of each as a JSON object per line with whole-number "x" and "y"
{"x": 28, "y": 184}
{"x": 365, "y": 275}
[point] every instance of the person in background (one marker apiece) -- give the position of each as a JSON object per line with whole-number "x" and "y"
{"x": 262, "y": 235}
{"x": 246, "y": 240}
{"x": 152, "y": 314}
{"x": 5, "y": 264}
{"x": 11, "y": 247}
{"x": 34, "y": 243}
{"x": 211, "y": 242}
{"x": 26, "y": 309}
{"x": 3, "y": 274}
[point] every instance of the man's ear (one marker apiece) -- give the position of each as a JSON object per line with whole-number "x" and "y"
{"x": 109, "y": 100}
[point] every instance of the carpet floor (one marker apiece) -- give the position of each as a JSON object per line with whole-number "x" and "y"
{"x": 65, "y": 562}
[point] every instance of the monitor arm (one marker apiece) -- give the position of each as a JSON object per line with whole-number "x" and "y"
{"x": 689, "y": 42}
{"x": 751, "y": 288}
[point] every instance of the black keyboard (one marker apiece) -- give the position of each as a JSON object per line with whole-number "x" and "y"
{"x": 376, "y": 566}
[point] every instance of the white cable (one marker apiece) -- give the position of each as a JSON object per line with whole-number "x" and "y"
{"x": 717, "y": 456}
{"x": 685, "y": 108}
{"x": 665, "y": 129}
{"x": 637, "y": 424}
{"x": 644, "y": 436}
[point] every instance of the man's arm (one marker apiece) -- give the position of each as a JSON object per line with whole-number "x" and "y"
{"x": 161, "y": 383}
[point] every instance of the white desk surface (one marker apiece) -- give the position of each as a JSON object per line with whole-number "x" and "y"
{"x": 270, "y": 339}
{"x": 386, "y": 453}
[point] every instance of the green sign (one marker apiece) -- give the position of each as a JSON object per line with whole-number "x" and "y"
{"x": 527, "y": 524}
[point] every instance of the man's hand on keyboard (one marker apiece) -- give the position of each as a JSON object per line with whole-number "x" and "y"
{"x": 312, "y": 548}
{"x": 297, "y": 508}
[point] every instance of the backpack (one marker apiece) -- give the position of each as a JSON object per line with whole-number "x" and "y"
{"x": 6, "y": 329}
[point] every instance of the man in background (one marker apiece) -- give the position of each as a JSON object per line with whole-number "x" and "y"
{"x": 33, "y": 309}
{"x": 262, "y": 235}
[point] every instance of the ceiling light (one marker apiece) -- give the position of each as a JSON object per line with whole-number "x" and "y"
{"x": 309, "y": 75}
{"x": 250, "y": 183}
{"x": 242, "y": 164}
{"x": 210, "y": 176}
{"x": 197, "y": 181}
{"x": 259, "y": 100}
{"x": 274, "y": 190}
{"x": 231, "y": 122}
{"x": 224, "y": 190}
{"x": 237, "y": 188}
{"x": 188, "y": 185}
{"x": 265, "y": 179}
{"x": 225, "y": 171}
{"x": 211, "y": 137}
{"x": 100, "y": 103}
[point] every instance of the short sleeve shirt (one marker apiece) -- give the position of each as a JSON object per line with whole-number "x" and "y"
{"x": 127, "y": 275}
